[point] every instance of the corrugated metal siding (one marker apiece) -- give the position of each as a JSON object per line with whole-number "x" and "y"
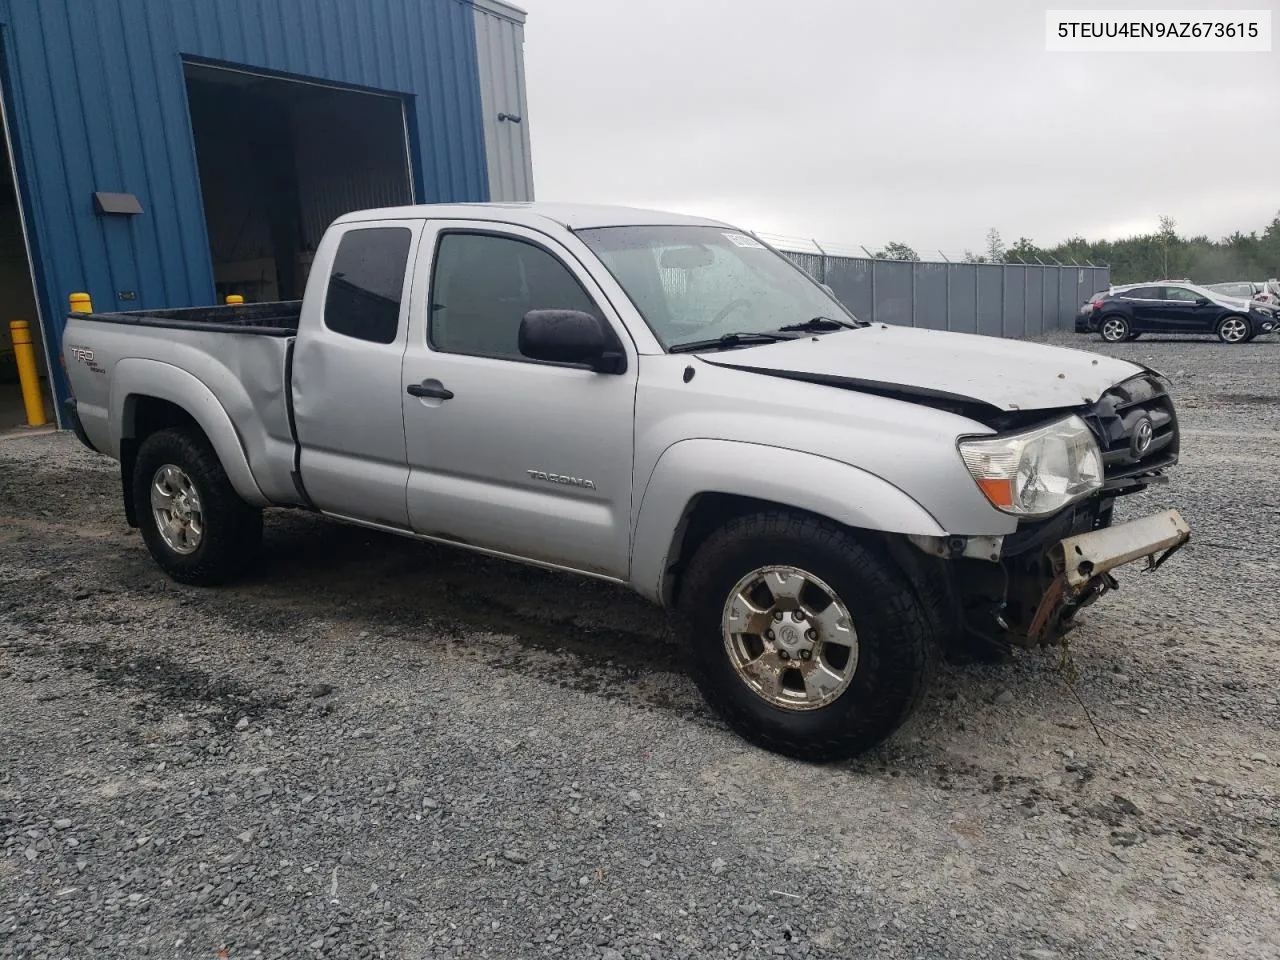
{"x": 500, "y": 52}
{"x": 98, "y": 102}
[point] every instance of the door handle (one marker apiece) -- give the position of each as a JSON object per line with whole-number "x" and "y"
{"x": 432, "y": 389}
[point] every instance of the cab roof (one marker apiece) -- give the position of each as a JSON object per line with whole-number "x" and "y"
{"x": 573, "y": 216}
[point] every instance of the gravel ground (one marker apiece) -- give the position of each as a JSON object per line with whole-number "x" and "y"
{"x": 381, "y": 749}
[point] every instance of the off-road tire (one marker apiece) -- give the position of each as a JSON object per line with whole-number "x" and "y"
{"x": 896, "y": 631}
{"x": 232, "y": 534}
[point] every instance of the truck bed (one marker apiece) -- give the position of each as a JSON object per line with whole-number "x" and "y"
{"x": 279, "y": 319}
{"x": 229, "y": 361}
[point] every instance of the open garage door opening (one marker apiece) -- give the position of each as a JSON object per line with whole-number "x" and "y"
{"x": 17, "y": 301}
{"x": 279, "y": 161}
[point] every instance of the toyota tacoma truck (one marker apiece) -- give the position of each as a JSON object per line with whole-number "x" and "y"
{"x": 660, "y": 401}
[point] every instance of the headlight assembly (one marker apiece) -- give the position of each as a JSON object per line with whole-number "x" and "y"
{"x": 1037, "y": 473}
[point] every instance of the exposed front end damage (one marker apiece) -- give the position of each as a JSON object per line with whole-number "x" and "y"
{"x": 1029, "y": 591}
{"x": 1025, "y": 589}
{"x": 1084, "y": 564}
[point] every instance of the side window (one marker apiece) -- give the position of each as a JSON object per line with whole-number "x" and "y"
{"x": 367, "y": 282}
{"x": 1141, "y": 293}
{"x": 1181, "y": 294}
{"x": 484, "y": 285}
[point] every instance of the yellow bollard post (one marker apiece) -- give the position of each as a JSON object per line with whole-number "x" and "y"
{"x": 28, "y": 376}
{"x": 80, "y": 303}
{"x": 234, "y": 298}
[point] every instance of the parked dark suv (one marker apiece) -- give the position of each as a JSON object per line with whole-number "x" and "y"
{"x": 1128, "y": 312}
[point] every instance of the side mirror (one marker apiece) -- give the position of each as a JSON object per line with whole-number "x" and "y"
{"x": 569, "y": 336}
{"x": 1202, "y": 301}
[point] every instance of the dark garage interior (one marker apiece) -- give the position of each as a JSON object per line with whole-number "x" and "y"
{"x": 279, "y": 160}
{"x": 17, "y": 302}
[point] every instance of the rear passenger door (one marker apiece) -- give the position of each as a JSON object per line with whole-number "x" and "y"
{"x": 346, "y": 388}
{"x": 1144, "y": 304}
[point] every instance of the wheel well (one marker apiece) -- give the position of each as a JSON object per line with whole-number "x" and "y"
{"x": 930, "y": 577}
{"x": 144, "y": 416}
{"x": 708, "y": 512}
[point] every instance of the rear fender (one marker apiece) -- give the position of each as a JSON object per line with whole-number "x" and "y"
{"x": 803, "y": 481}
{"x": 135, "y": 378}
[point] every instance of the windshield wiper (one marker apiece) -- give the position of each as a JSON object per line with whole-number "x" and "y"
{"x": 728, "y": 340}
{"x": 819, "y": 324}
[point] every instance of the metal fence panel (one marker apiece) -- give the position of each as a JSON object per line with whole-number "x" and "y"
{"x": 964, "y": 297}
{"x": 850, "y": 279}
{"x": 1099, "y": 280}
{"x": 810, "y": 263}
{"x": 1049, "y": 302}
{"x": 1032, "y": 314}
{"x": 990, "y": 297}
{"x": 1070, "y": 294}
{"x": 1011, "y": 299}
{"x": 1014, "y": 323}
{"x": 931, "y": 296}
{"x": 893, "y": 298}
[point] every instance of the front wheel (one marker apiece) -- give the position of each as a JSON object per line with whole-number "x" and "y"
{"x": 1234, "y": 329}
{"x": 802, "y": 639}
{"x": 194, "y": 523}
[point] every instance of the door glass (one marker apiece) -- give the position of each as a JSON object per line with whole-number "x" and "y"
{"x": 485, "y": 284}
{"x": 1141, "y": 293}
{"x": 367, "y": 283}
{"x": 1181, "y": 294}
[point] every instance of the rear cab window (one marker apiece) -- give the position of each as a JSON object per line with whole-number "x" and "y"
{"x": 366, "y": 284}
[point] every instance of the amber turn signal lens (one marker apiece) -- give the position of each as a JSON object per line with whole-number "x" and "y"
{"x": 999, "y": 492}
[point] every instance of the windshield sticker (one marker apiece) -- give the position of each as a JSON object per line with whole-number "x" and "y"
{"x": 742, "y": 240}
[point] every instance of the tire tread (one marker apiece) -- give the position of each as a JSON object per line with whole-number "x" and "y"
{"x": 903, "y": 664}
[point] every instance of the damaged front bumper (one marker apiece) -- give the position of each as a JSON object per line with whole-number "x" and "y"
{"x": 1082, "y": 566}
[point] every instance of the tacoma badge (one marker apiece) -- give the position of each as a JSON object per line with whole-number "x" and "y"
{"x": 558, "y": 478}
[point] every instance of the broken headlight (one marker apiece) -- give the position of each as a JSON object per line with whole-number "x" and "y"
{"x": 1036, "y": 473}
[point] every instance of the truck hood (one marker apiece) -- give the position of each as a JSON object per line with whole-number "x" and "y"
{"x": 961, "y": 370}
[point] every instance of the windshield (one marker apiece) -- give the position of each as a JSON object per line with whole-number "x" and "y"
{"x": 1243, "y": 290}
{"x": 699, "y": 283}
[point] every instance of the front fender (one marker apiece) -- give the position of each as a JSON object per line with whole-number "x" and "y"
{"x": 804, "y": 481}
{"x": 137, "y": 377}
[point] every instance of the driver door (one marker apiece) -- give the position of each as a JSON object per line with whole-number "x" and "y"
{"x": 1183, "y": 313}
{"x": 521, "y": 457}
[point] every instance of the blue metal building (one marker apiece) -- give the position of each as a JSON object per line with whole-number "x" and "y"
{"x": 168, "y": 152}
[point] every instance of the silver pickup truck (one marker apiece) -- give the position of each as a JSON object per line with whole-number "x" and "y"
{"x": 663, "y": 402}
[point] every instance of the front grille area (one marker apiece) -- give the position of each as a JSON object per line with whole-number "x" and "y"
{"x": 1117, "y": 420}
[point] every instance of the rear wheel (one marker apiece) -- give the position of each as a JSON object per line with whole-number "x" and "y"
{"x": 194, "y": 523}
{"x": 1234, "y": 329}
{"x": 1114, "y": 329}
{"x": 805, "y": 641}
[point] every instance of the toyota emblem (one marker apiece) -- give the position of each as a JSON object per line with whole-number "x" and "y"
{"x": 1143, "y": 434}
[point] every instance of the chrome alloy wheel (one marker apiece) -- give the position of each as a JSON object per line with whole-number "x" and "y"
{"x": 1114, "y": 330}
{"x": 175, "y": 504}
{"x": 1233, "y": 330}
{"x": 790, "y": 638}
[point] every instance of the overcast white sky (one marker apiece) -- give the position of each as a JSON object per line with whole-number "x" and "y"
{"x": 865, "y": 121}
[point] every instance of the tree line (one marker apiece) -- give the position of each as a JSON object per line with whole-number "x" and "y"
{"x": 1161, "y": 254}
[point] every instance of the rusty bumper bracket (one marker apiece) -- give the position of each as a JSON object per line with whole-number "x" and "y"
{"x": 1084, "y": 564}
